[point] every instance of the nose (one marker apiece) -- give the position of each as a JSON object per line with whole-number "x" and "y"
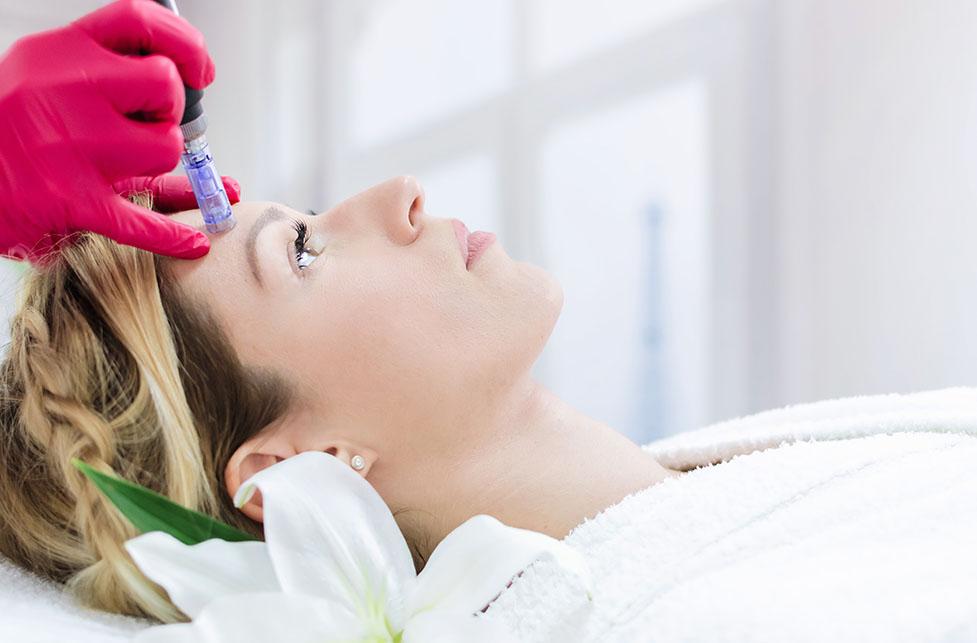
{"x": 402, "y": 208}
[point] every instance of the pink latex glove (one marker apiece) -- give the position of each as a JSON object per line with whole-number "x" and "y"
{"x": 84, "y": 115}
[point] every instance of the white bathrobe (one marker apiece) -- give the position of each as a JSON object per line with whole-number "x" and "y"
{"x": 845, "y": 520}
{"x": 868, "y": 533}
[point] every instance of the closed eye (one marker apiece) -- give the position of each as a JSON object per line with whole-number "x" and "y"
{"x": 304, "y": 256}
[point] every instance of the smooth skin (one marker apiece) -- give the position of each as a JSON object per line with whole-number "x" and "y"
{"x": 397, "y": 353}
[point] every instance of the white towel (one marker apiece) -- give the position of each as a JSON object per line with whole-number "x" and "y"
{"x": 39, "y": 611}
{"x": 860, "y": 526}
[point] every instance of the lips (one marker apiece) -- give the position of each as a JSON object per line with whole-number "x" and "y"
{"x": 477, "y": 243}
{"x": 472, "y": 244}
{"x": 461, "y": 231}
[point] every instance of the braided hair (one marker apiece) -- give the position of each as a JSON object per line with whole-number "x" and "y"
{"x": 110, "y": 363}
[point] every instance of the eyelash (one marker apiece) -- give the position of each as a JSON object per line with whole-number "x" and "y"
{"x": 301, "y": 238}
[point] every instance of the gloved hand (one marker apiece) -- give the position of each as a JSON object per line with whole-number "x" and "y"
{"x": 84, "y": 115}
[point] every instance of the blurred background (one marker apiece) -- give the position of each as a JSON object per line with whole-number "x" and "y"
{"x": 749, "y": 203}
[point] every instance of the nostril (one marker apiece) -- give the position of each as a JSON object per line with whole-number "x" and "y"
{"x": 415, "y": 211}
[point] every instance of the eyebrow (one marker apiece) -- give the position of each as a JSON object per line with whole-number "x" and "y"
{"x": 270, "y": 215}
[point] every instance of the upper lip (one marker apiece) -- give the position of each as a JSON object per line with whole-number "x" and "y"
{"x": 461, "y": 232}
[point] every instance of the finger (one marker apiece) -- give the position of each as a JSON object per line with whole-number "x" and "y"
{"x": 129, "y": 224}
{"x": 146, "y": 85}
{"x": 126, "y": 148}
{"x": 172, "y": 192}
{"x": 142, "y": 26}
{"x": 233, "y": 189}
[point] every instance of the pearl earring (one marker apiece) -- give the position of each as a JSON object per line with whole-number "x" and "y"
{"x": 357, "y": 462}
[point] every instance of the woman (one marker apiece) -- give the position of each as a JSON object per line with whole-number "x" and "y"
{"x": 359, "y": 332}
{"x": 367, "y": 333}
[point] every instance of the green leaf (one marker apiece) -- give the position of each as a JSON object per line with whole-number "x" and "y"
{"x": 151, "y": 511}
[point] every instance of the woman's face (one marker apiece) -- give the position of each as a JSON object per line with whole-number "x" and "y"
{"x": 388, "y": 341}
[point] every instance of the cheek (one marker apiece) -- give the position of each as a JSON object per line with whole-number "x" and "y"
{"x": 388, "y": 333}
{"x": 392, "y": 337}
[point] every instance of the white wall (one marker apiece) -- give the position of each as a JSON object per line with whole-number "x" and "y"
{"x": 878, "y": 197}
{"x": 839, "y": 169}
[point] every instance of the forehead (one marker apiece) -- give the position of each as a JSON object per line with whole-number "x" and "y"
{"x": 223, "y": 274}
{"x": 245, "y": 212}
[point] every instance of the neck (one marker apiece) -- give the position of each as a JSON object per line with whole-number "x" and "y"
{"x": 546, "y": 467}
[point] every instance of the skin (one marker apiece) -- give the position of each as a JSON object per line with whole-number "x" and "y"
{"x": 399, "y": 354}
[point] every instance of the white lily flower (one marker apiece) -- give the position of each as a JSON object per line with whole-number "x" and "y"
{"x": 335, "y": 567}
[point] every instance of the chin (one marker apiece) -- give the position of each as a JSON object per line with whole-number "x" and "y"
{"x": 546, "y": 304}
{"x": 527, "y": 303}
{"x": 548, "y": 291}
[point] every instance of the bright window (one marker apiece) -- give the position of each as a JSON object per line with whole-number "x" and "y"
{"x": 563, "y": 30}
{"x": 408, "y": 69}
{"x": 624, "y": 229}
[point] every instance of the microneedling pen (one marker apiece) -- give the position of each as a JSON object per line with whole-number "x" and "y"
{"x": 197, "y": 161}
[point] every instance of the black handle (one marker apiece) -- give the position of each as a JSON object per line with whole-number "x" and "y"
{"x": 192, "y": 108}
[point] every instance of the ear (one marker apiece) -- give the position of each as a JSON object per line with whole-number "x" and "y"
{"x": 292, "y": 436}
{"x": 255, "y": 454}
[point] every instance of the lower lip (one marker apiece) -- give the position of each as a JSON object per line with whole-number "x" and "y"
{"x": 478, "y": 243}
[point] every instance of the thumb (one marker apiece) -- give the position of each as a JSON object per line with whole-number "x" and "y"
{"x": 132, "y": 225}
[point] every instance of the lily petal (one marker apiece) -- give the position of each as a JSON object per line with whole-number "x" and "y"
{"x": 476, "y": 561}
{"x": 261, "y": 618}
{"x": 194, "y": 575}
{"x": 330, "y": 535}
{"x": 442, "y": 626}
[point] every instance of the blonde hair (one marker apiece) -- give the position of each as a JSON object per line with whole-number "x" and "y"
{"x": 109, "y": 363}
